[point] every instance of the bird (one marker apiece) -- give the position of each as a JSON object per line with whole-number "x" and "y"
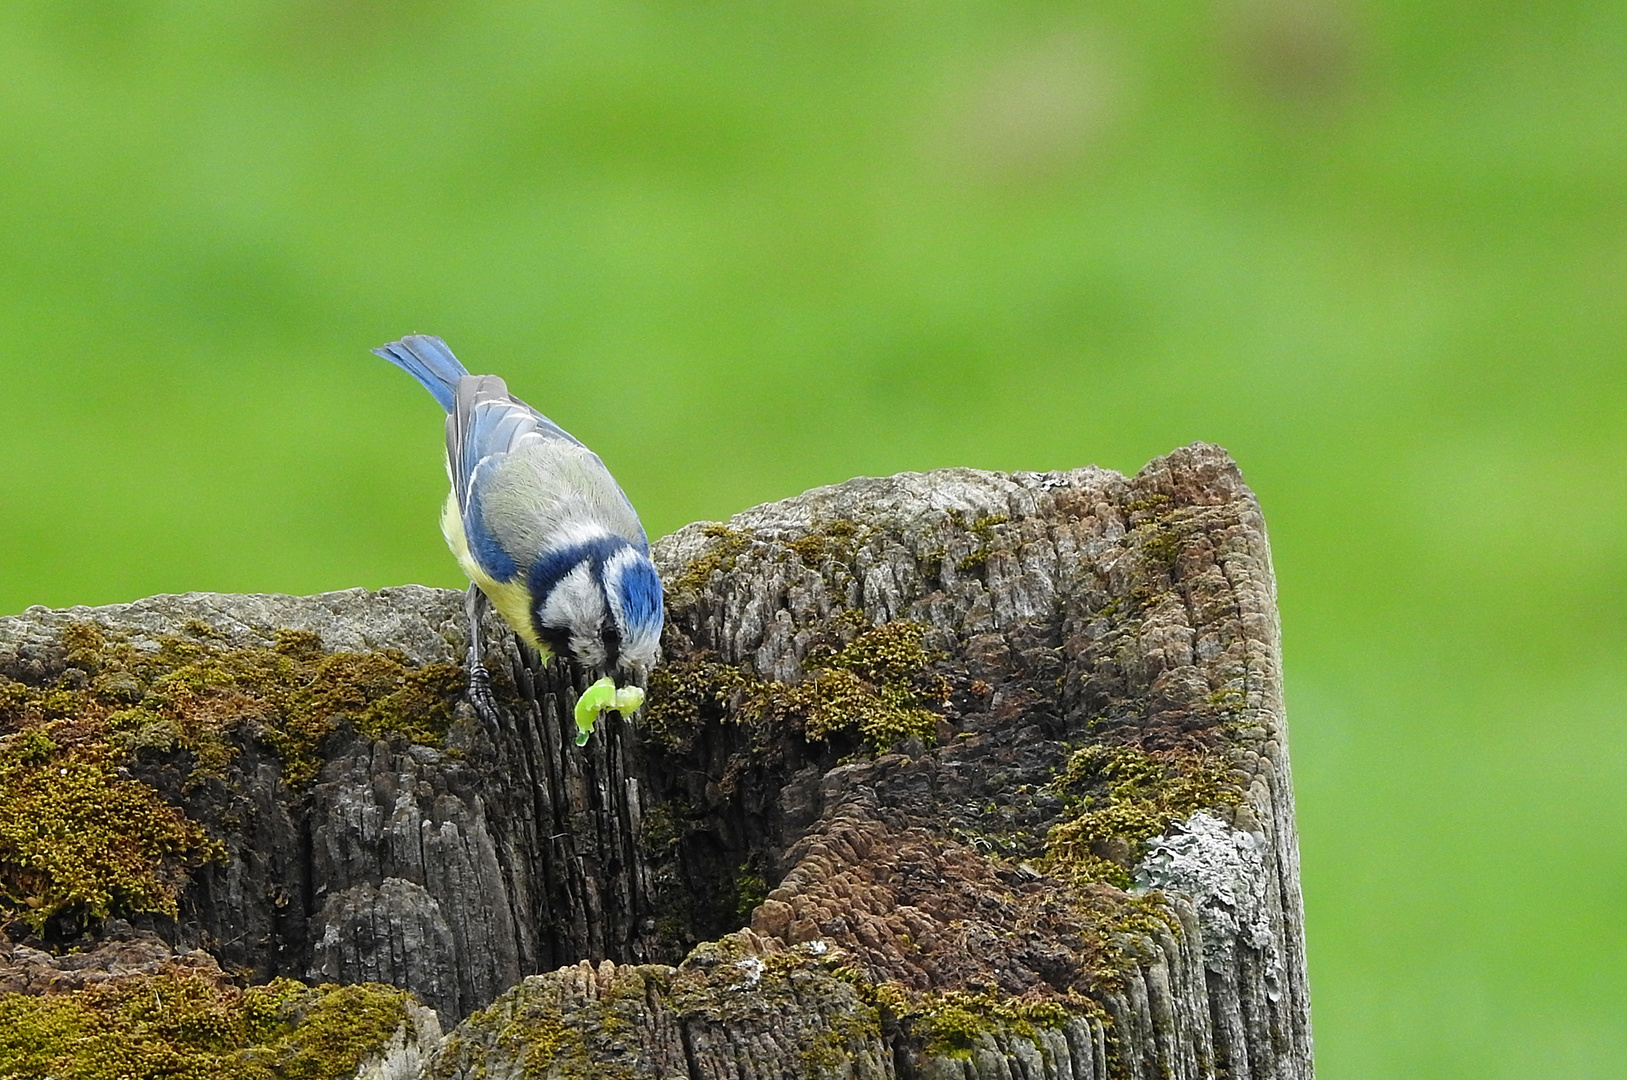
{"x": 544, "y": 534}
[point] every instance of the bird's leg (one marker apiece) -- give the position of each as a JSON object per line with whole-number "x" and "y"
{"x": 480, "y": 695}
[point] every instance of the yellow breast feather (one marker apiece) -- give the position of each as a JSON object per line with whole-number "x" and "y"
{"x": 511, "y": 598}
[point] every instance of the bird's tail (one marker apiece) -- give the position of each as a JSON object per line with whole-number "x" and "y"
{"x": 428, "y": 360}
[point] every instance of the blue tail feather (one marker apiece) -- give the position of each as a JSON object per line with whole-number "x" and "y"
{"x": 428, "y": 360}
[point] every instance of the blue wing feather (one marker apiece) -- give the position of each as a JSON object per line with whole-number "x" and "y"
{"x": 483, "y": 543}
{"x": 494, "y": 424}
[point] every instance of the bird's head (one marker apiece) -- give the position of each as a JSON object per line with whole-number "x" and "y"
{"x": 599, "y": 603}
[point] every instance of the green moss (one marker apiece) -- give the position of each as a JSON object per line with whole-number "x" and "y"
{"x": 983, "y": 529}
{"x": 79, "y": 838}
{"x": 834, "y": 701}
{"x": 931, "y": 564}
{"x": 889, "y": 653}
{"x": 199, "y": 628}
{"x": 876, "y": 686}
{"x": 1160, "y": 545}
{"x": 836, "y": 541}
{"x": 541, "y": 1038}
{"x": 720, "y": 556}
{"x": 183, "y": 1026}
{"x": 295, "y": 695}
{"x": 529, "y": 1028}
{"x": 1120, "y": 797}
{"x": 83, "y": 643}
{"x": 1157, "y": 501}
{"x": 684, "y": 693}
{"x": 291, "y": 695}
{"x": 750, "y": 888}
{"x": 305, "y": 1034}
{"x": 949, "y": 1023}
{"x": 793, "y": 984}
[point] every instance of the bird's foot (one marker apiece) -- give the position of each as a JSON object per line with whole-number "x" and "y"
{"x": 480, "y": 695}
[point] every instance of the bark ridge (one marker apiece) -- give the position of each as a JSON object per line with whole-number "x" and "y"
{"x": 864, "y": 828}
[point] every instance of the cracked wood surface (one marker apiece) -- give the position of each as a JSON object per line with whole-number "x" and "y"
{"x": 1068, "y": 609}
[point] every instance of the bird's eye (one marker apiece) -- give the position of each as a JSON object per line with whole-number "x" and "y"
{"x": 612, "y": 643}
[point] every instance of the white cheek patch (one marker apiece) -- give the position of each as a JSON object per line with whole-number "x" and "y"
{"x": 576, "y": 606}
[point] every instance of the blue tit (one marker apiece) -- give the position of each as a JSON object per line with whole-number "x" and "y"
{"x": 539, "y": 526}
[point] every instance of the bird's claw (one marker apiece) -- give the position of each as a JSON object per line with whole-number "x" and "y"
{"x": 480, "y": 695}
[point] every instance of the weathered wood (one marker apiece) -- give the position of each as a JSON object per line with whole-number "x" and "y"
{"x": 1068, "y": 609}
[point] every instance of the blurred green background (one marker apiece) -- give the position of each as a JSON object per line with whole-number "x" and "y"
{"x": 1379, "y": 251}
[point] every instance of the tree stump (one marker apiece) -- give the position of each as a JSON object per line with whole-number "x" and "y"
{"x": 955, "y": 774}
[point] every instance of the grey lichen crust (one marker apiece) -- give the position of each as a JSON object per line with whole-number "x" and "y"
{"x": 1222, "y": 871}
{"x": 956, "y": 774}
{"x": 423, "y": 624}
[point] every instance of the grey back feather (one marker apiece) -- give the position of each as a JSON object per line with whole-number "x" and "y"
{"x": 537, "y": 485}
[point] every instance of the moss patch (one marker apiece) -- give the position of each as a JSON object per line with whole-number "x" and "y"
{"x": 540, "y": 1038}
{"x": 1120, "y": 797}
{"x": 535, "y": 1029}
{"x": 294, "y": 696}
{"x": 949, "y": 1023}
{"x": 184, "y": 1026}
{"x": 303, "y": 1034}
{"x": 686, "y": 692}
{"x": 837, "y": 541}
{"x": 718, "y": 557}
{"x": 80, "y": 839}
{"x": 1160, "y": 545}
{"x": 1157, "y": 502}
{"x": 750, "y": 888}
{"x": 983, "y": 529}
{"x": 826, "y": 1019}
{"x": 77, "y": 839}
{"x": 876, "y": 686}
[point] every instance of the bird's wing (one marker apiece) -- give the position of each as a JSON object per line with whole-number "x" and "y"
{"x": 485, "y": 419}
{"x": 524, "y": 484}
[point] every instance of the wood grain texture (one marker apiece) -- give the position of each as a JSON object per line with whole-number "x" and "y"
{"x": 726, "y": 899}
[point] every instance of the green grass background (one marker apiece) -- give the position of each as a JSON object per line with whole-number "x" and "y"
{"x": 1379, "y": 251}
